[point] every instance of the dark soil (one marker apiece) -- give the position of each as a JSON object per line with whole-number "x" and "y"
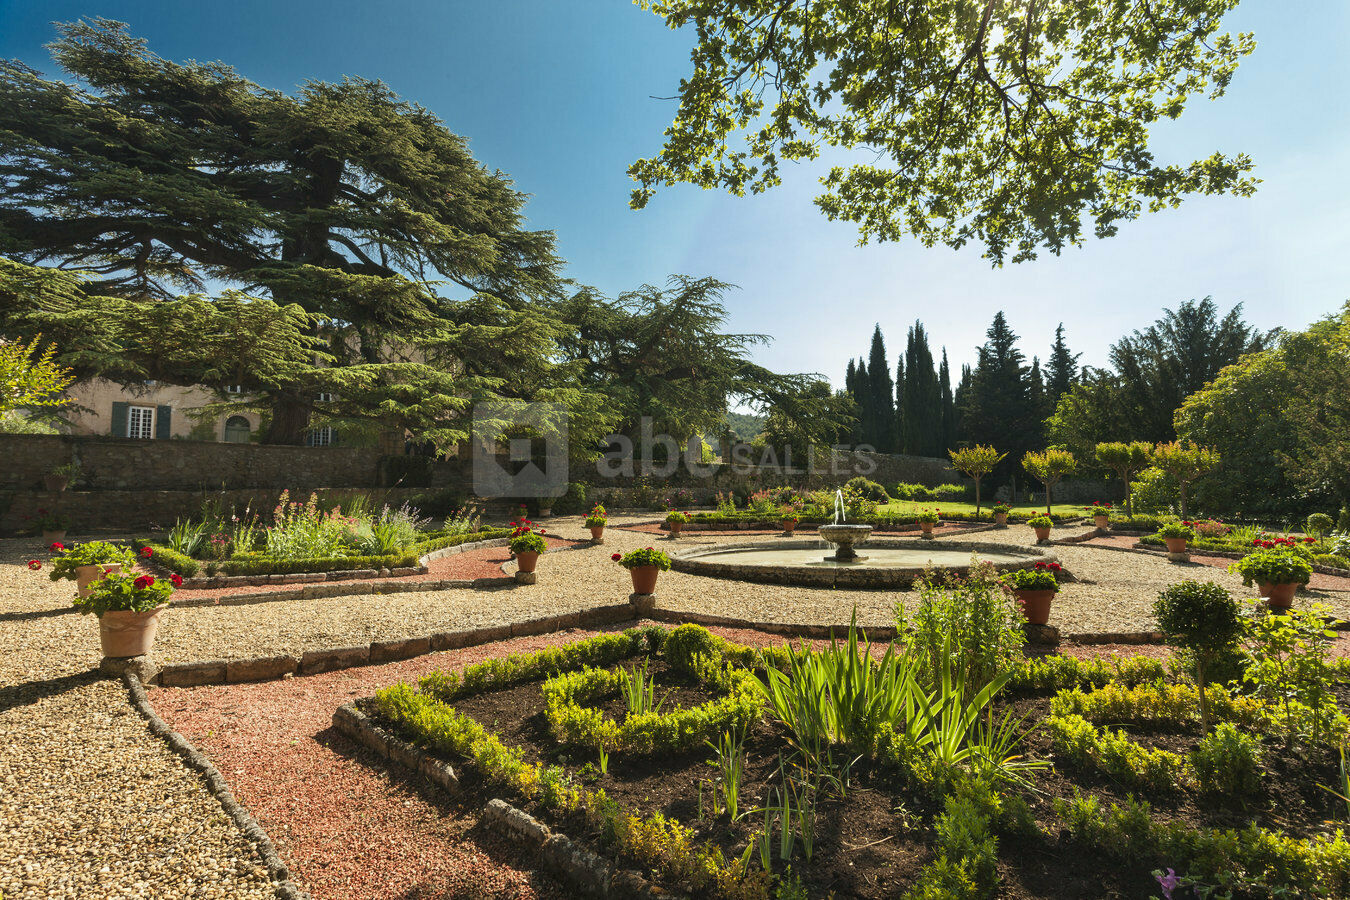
{"x": 873, "y": 842}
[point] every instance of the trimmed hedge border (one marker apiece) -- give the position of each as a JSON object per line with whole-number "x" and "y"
{"x": 584, "y": 870}
{"x": 285, "y": 888}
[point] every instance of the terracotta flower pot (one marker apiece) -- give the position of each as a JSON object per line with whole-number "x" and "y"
{"x": 125, "y": 633}
{"x": 597, "y": 533}
{"x": 50, "y": 537}
{"x": 1042, "y": 534}
{"x": 1175, "y": 545}
{"x": 545, "y": 512}
{"x": 527, "y": 560}
{"x": 1001, "y": 519}
{"x": 675, "y": 528}
{"x": 1102, "y": 521}
{"x": 55, "y": 482}
{"x": 87, "y": 575}
{"x": 1280, "y": 596}
{"x": 1035, "y": 604}
{"x": 789, "y": 526}
{"x": 926, "y": 527}
{"x": 644, "y": 579}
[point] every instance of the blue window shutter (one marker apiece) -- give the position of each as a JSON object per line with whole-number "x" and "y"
{"x": 119, "y": 419}
{"x": 163, "y": 422}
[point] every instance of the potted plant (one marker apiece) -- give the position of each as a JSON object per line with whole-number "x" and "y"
{"x": 527, "y": 543}
{"x": 545, "y": 505}
{"x": 927, "y": 519}
{"x": 1176, "y": 535}
{"x": 53, "y": 525}
{"x": 675, "y": 521}
{"x": 1035, "y": 589}
{"x": 596, "y": 521}
{"x": 644, "y": 566}
{"x": 1041, "y": 525}
{"x": 1001, "y": 511}
{"x": 1278, "y": 573}
{"x": 60, "y": 477}
{"x": 88, "y": 562}
{"x": 1101, "y": 514}
{"x": 128, "y": 608}
{"x": 789, "y": 520}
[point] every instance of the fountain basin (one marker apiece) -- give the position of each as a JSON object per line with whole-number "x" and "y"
{"x": 890, "y": 564}
{"x": 845, "y": 538}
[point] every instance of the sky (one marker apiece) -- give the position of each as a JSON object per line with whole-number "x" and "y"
{"x": 564, "y": 96}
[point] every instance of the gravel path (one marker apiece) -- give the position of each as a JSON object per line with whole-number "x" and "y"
{"x": 91, "y": 804}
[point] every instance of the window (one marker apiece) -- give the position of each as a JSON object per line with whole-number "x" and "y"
{"x": 324, "y": 398}
{"x": 141, "y": 422}
{"x": 234, "y": 389}
{"x": 237, "y": 430}
{"x": 321, "y": 437}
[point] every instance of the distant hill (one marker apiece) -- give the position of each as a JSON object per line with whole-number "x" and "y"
{"x": 744, "y": 425}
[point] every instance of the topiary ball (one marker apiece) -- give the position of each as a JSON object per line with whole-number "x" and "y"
{"x": 688, "y": 641}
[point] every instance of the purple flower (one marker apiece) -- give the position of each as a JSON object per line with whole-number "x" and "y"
{"x": 1168, "y": 883}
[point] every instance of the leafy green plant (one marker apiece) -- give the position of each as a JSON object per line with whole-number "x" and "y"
{"x": 1319, "y": 524}
{"x": 647, "y": 556}
{"x": 1227, "y": 761}
{"x": 1041, "y": 522}
{"x": 1004, "y": 509}
{"x": 973, "y": 618}
{"x": 1176, "y": 530}
{"x": 1204, "y": 619}
{"x": 132, "y": 593}
{"x": 1042, "y": 577}
{"x": 90, "y": 553}
{"x": 676, "y": 516}
{"x": 929, "y": 516}
{"x": 686, "y": 643}
{"x": 524, "y": 540}
{"x": 1273, "y": 567}
{"x": 1048, "y": 467}
{"x": 639, "y": 691}
{"x": 867, "y": 489}
{"x": 187, "y": 536}
{"x": 976, "y": 462}
{"x": 597, "y": 518}
{"x": 50, "y": 520}
{"x": 729, "y": 760}
{"x": 1290, "y": 671}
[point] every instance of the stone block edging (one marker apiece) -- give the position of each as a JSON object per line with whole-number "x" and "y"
{"x": 313, "y": 662}
{"x": 285, "y": 888}
{"x": 588, "y": 872}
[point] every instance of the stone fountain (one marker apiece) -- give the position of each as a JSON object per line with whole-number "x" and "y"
{"x": 843, "y": 536}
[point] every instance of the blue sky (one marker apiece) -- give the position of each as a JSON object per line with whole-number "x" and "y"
{"x": 562, "y": 97}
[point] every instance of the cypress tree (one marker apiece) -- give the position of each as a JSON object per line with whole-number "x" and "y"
{"x": 1061, "y": 370}
{"x": 921, "y": 413}
{"x": 881, "y": 390}
{"x": 997, "y": 404}
{"x": 948, "y": 417}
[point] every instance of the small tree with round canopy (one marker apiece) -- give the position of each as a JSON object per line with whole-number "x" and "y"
{"x": 1202, "y": 618}
{"x": 1126, "y": 460}
{"x": 1185, "y": 462}
{"x": 1048, "y": 467}
{"x": 977, "y": 462}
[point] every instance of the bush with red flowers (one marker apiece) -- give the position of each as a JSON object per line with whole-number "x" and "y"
{"x": 115, "y": 591}
{"x": 525, "y": 538}
{"x": 91, "y": 553}
{"x": 1043, "y": 577}
{"x": 35, "y": 564}
{"x": 647, "y": 556}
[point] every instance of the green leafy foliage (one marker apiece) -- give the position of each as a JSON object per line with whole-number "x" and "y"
{"x": 90, "y": 553}
{"x": 1227, "y": 761}
{"x": 1289, "y": 669}
{"x": 131, "y": 593}
{"x": 1273, "y": 567}
{"x": 965, "y": 111}
{"x": 868, "y": 489}
{"x": 1203, "y": 618}
{"x": 645, "y": 556}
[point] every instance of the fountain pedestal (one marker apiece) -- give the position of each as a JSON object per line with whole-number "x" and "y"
{"x": 845, "y": 538}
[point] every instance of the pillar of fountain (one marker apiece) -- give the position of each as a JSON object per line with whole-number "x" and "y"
{"x": 843, "y": 536}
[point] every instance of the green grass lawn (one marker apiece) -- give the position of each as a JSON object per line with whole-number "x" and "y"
{"x": 903, "y": 507}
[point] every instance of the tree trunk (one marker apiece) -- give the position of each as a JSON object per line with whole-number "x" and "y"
{"x": 1129, "y": 501}
{"x": 977, "y": 496}
{"x": 1183, "y": 500}
{"x": 290, "y": 422}
{"x": 1047, "y": 497}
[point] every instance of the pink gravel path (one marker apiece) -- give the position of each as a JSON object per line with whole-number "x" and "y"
{"x": 1320, "y": 581}
{"x": 348, "y": 825}
{"x": 483, "y": 563}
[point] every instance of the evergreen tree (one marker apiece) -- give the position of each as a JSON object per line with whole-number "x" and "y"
{"x": 1061, "y": 369}
{"x": 996, "y": 408}
{"x": 960, "y": 399}
{"x": 1037, "y": 406}
{"x": 921, "y": 413}
{"x": 881, "y": 391}
{"x": 900, "y": 403}
{"x": 948, "y": 404}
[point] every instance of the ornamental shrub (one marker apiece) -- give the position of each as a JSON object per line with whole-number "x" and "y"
{"x": 1227, "y": 761}
{"x": 1040, "y": 578}
{"x": 647, "y": 556}
{"x": 688, "y": 641}
{"x": 1003, "y": 508}
{"x": 971, "y": 622}
{"x": 1154, "y": 491}
{"x": 676, "y": 516}
{"x": 1319, "y": 524}
{"x": 132, "y": 593}
{"x": 92, "y": 553}
{"x": 1273, "y": 567}
{"x": 528, "y": 542}
{"x": 927, "y": 515}
{"x": 1041, "y": 522}
{"x": 867, "y": 489}
{"x": 1176, "y": 530}
{"x": 1202, "y": 618}
{"x": 597, "y": 517}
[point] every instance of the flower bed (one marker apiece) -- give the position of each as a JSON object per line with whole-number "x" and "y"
{"x": 881, "y": 805}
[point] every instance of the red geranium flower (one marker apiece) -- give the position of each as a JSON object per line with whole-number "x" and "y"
{"x": 147, "y": 552}
{"x": 1310, "y": 540}
{"x": 1040, "y": 565}
{"x": 57, "y": 547}
{"x": 615, "y": 556}
{"x": 176, "y": 579}
{"x": 513, "y": 524}
{"x": 35, "y": 564}
{"x": 144, "y": 582}
{"x": 1054, "y": 567}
